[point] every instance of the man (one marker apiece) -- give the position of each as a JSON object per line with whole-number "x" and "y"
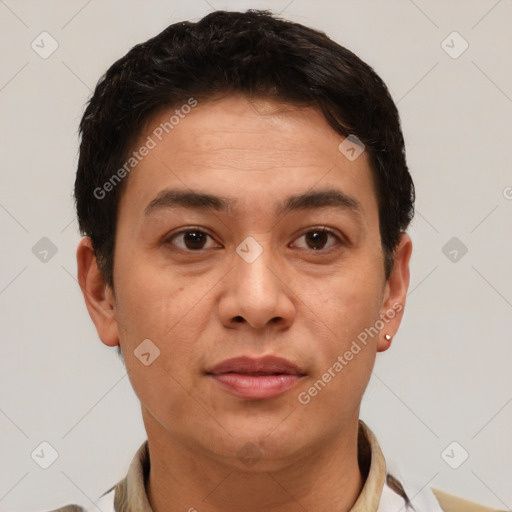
{"x": 244, "y": 195}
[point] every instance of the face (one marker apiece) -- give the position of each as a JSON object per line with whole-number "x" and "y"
{"x": 248, "y": 252}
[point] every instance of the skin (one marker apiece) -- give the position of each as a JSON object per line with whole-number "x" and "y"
{"x": 201, "y": 307}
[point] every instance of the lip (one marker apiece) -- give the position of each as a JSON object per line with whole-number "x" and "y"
{"x": 256, "y": 378}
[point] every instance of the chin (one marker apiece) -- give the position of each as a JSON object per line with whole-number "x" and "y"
{"x": 254, "y": 443}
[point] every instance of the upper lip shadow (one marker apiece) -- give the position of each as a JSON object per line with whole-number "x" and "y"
{"x": 267, "y": 365}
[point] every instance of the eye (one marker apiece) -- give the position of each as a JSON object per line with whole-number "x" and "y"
{"x": 318, "y": 239}
{"x": 192, "y": 240}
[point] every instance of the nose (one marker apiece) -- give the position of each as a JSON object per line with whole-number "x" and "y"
{"x": 257, "y": 294}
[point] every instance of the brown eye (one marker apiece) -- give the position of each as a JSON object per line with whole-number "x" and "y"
{"x": 317, "y": 239}
{"x": 192, "y": 240}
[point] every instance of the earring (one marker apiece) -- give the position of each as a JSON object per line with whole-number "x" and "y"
{"x": 388, "y": 337}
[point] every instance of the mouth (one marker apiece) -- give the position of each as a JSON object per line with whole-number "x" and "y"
{"x": 256, "y": 378}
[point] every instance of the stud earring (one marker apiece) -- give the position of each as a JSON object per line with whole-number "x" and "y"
{"x": 388, "y": 337}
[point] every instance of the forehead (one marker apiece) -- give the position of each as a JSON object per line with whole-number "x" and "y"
{"x": 251, "y": 150}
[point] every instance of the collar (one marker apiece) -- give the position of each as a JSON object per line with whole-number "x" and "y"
{"x": 130, "y": 493}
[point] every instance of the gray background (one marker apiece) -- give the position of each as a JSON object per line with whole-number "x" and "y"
{"x": 447, "y": 376}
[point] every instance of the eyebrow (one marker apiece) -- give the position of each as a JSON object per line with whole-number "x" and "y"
{"x": 321, "y": 199}
{"x": 173, "y": 198}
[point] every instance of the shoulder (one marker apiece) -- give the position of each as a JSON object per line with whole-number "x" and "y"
{"x": 104, "y": 504}
{"x": 450, "y": 503}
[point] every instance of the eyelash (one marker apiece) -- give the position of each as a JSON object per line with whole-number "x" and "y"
{"x": 322, "y": 229}
{"x": 168, "y": 240}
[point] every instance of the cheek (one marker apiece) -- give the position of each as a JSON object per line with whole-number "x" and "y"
{"x": 344, "y": 354}
{"x": 173, "y": 312}
{"x": 348, "y": 302}
{"x": 152, "y": 302}
{"x": 153, "y": 307}
{"x": 343, "y": 312}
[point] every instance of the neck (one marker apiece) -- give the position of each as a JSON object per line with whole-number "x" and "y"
{"x": 181, "y": 479}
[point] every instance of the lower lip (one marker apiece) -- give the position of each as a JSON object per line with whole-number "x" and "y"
{"x": 256, "y": 387}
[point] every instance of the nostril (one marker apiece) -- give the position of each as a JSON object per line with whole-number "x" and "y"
{"x": 238, "y": 319}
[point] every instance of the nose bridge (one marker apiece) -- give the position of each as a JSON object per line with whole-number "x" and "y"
{"x": 260, "y": 296}
{"x": 252, "y": 268}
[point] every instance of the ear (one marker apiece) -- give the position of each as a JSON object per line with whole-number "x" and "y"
{"x": 395, "y": 292}
{"x": 98, "y": 296}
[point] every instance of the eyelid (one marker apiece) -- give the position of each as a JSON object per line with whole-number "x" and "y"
{"x": 182, "y": 230}
{"x": 340, "y": 239}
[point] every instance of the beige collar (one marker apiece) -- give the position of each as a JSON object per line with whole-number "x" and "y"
{"x": 130, "y": 493}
